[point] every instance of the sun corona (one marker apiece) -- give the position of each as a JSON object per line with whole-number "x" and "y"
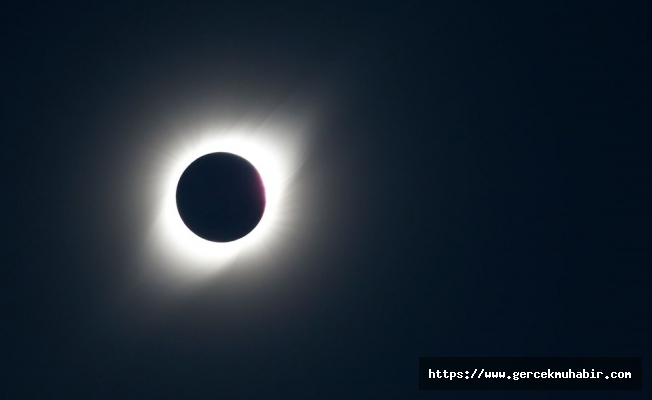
{"x": 275, "y": 152}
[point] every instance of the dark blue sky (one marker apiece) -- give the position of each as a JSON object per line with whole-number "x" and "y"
{"x": 481, "y": 171}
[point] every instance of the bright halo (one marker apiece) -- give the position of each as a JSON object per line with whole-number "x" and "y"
{"x": 275, "y": 152}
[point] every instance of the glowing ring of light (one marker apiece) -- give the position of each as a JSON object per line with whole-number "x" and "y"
{"x": 275, "y": 153}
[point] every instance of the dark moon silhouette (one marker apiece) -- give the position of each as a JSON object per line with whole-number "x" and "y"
{"x": 221, "y": 197}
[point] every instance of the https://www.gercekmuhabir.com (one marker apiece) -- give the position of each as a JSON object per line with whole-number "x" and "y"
{"x": 516, "y": 375}
{"x": 530, "y": 373}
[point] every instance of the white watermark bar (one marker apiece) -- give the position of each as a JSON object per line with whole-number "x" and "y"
{"x": 531, "y": 373}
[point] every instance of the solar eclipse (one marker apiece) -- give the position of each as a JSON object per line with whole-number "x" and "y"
{"x": 221, "y": 195}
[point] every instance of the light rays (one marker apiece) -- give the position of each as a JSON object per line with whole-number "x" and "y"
{"x": 275, "y": 149}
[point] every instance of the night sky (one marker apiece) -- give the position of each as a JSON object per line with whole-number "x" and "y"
{"x": 474, "y": 181}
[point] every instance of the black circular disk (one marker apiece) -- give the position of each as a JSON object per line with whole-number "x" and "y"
{"x": 220, "y": 197}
